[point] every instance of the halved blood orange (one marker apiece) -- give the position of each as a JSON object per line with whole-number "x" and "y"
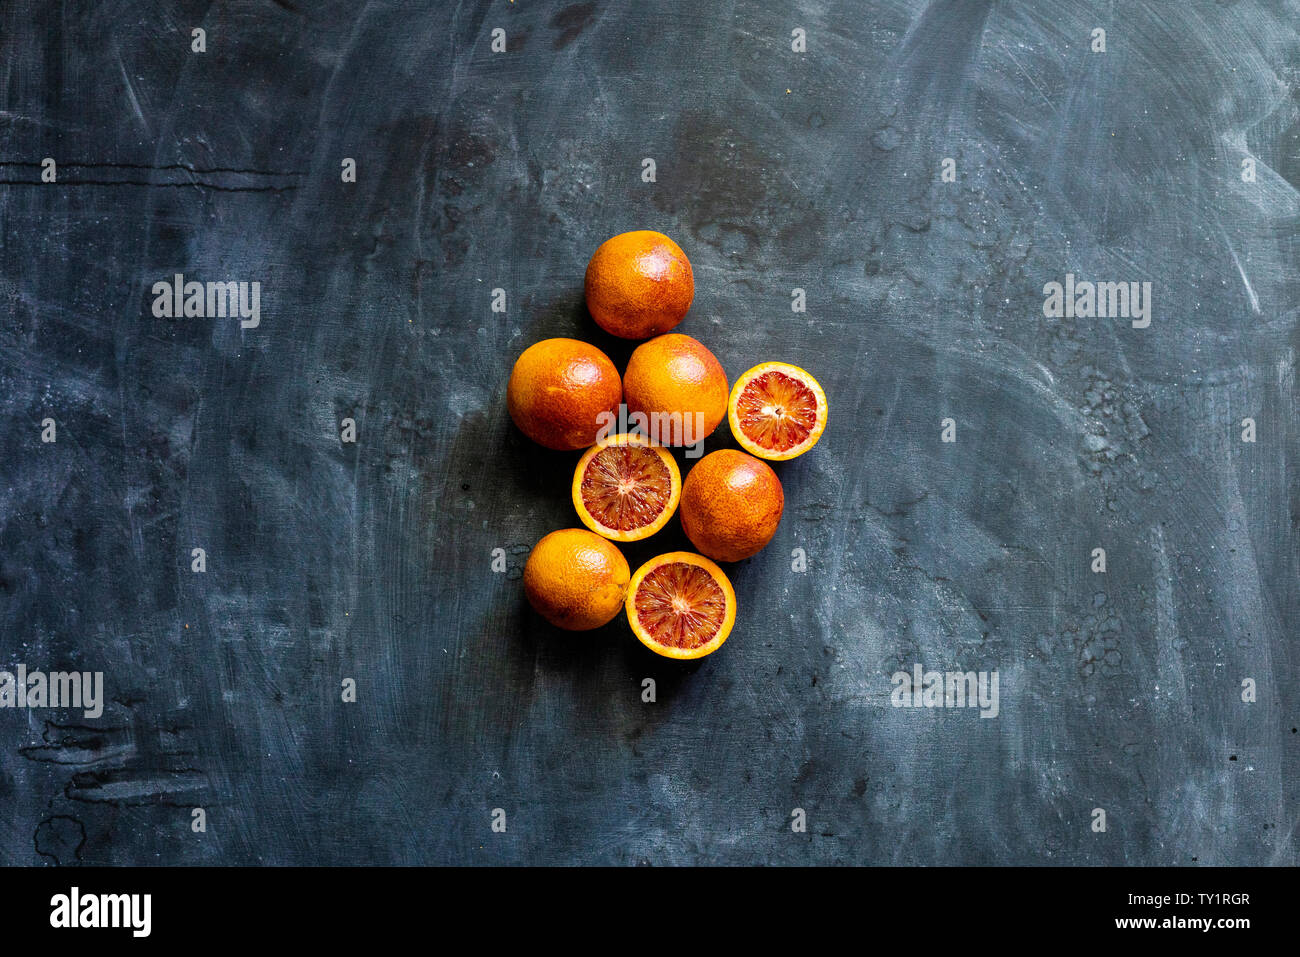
{"x": 626, "y": 487}
{"x": 681, "y": 605}
{"x": 777, "y": 411}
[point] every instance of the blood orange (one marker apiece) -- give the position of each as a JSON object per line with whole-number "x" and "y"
{"x": 626, "y": 488}
{"x": 777, "y": 411}
{"x": 639, "y": 284}
{"x": 575, "y": 580}
{"x": 679, "y": 385}
{"x": 731, "y": 505}
{"x": 560, "y": 391}
{"x": 681, "y": 605}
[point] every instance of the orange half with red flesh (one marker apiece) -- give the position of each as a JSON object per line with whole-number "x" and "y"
{"x": 681, "y": 605}
{"x": 626, "y": 488}
{"x": 777, "y": 411}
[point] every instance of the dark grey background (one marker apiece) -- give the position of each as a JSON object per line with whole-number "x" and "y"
{"x": 776, "y": 170}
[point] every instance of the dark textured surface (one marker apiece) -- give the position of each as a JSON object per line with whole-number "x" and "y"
{"x": 775, "y": 170}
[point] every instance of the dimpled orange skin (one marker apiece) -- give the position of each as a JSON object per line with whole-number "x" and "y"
{"x": 675, "y": 373}
{"x": 731, "y": 505}
{"x": 558, "y": 390}
{"x": 639, "y": 284}
{"x": 576, "y": 580}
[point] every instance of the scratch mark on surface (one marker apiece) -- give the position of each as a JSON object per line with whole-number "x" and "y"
{"x": 1250, "y": 290}
{"x": 146, "y": 167}
{"x": 134, "y": 182}
{"x": 130, "y": 91}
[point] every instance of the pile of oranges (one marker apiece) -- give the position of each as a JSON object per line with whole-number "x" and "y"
{"x": 565, "y": 394}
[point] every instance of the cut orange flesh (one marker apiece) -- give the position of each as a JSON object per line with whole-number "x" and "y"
{"x": 681, "y": 605}
{"x": 626, "y": 488}
{"x": 777, "y": 411}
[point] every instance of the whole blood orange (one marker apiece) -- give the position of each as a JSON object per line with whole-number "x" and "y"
{"x": 680, "y": 385}
{"x": 626, "y": 488}
{"x": 731, "y": 505}
{"x": 639, "y": 285}
{"x": 559, "y": 391}
{"x": 575, "y": 579}
{"x": 681, "y": 605}
{"x": 777, "y": 411}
